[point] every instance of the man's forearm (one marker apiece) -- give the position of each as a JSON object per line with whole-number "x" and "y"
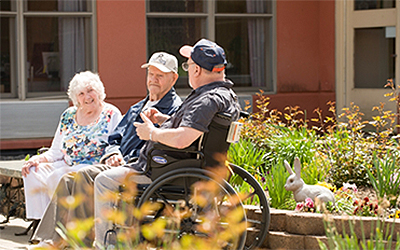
{"x": 181, "y": 137}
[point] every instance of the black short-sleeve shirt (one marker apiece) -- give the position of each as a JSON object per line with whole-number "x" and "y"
{"x": 202, "y": 104}
{"x": 198, "y": 110}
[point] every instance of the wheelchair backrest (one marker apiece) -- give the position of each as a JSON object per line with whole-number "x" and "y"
{"x": 213, "y": 144}
{"x": 210, "y": 150}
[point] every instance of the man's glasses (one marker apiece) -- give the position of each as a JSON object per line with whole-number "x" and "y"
{"x": 185, "y": 66}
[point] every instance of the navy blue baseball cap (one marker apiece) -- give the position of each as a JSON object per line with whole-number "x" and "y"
{"x": 206, "y": 54}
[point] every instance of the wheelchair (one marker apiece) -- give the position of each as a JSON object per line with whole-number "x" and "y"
{"x": 195, "y": 200}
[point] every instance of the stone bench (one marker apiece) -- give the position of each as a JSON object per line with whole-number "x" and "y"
{"x": 11, "y": 168}
{"x": 12, "y": 199}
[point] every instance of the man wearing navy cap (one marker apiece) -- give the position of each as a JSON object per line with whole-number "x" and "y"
{"x": 211, "y": 94}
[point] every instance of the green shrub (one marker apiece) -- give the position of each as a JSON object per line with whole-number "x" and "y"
{"x": 335, "y": 148}
{"x": 275, "y": 181}
{"x": 385, "y": 178}
{"x": 381, "y": 237}
{"x": 247, "y": 155}
{"x": 288, "y": 143}
{"x": 347, "y": 149}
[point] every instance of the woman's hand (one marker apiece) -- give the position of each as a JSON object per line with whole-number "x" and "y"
{"x": 34, "y": 161}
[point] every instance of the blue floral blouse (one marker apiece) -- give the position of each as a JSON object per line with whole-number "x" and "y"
{"x": 75, "y": 144}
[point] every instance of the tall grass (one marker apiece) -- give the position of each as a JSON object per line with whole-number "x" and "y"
{"x": 381, "y": 236}
{"x": 247, "y": 155}
{"x": 385, "y": 178}
{"x": 275, "y": 181}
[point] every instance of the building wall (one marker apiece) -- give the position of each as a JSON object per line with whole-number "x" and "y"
{"x": 121, "y": 32}
{"x": 121, "y": 38}
{"x": 305, "y": 54}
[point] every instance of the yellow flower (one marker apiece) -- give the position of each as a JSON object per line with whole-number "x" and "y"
{"x": 327, "y": 185}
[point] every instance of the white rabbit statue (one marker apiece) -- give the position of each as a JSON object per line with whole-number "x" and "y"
{"x": 300, "y": 190}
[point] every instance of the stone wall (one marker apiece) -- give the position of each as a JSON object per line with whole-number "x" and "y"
{"x": 294, "y": 230}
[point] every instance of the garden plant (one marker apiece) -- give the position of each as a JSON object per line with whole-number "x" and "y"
{"x": 336, "y": 150}
{"x": 382, "y": 236}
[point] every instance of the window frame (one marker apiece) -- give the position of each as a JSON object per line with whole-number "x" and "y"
{"x": 346, "y": 21}
{"x": 210, "y": 15}
{"x": 18, "y": 51}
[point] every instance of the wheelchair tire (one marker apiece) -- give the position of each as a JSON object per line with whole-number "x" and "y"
{"x": 183, "y": 200}
{"x": 258, "y": 225}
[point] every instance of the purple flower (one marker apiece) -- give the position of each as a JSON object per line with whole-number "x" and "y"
{"x": 299, "y": 206}
{"x": 309, "y": 203}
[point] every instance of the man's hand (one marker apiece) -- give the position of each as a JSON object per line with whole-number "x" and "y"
{"x": 144, "y": 130}
{"x": 115, "y": 160}
{"x": 155, "y": 116}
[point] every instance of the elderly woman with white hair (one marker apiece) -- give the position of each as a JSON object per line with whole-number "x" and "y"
{"x": 79, "y": 141}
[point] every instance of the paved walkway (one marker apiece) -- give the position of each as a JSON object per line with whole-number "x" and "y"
{"x": 7, "y": 238}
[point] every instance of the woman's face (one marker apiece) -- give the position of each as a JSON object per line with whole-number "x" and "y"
{"x": 88, "y": 98}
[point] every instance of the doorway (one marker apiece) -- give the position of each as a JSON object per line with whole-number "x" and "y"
{"x": 366, "y": 53}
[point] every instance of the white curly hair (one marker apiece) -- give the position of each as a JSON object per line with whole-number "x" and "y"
{"x": 80, "y": 81}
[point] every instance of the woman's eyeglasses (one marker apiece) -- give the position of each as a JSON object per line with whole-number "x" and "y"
{"x": 185, "y": 66}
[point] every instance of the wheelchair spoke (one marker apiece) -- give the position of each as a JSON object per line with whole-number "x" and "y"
{"x": 195, "y": 205}
{"x": 162, "y": 197}
{"x": 254, "y": 222}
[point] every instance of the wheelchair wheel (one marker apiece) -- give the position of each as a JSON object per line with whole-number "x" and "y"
{"x": 255, "y": 197}
{"x": 197, "y": 203}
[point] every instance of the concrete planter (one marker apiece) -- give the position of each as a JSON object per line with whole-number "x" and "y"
{"x": 295, "y": 230}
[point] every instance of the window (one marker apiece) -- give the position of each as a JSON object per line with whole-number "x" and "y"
{"x": 374, "y": 56}
{"x": 54, "y": 42}
{"x": 374, "y": 4}
{"x": 244, "y": 28}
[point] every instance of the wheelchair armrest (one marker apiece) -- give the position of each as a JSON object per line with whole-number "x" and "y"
{"x": 244, "y": 114}
{"x": 160, "y": 146}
